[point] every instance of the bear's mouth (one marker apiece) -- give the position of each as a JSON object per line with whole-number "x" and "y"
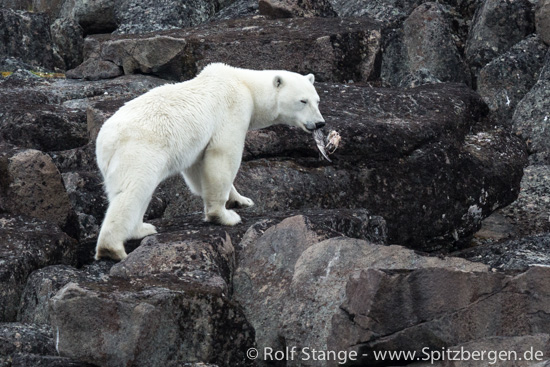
{"x": 312, "y": 126}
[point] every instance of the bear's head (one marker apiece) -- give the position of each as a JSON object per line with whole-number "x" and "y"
{"x": 298, "y": 101}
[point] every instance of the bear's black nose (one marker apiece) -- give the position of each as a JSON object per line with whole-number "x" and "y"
{"x": 319, "y": 124}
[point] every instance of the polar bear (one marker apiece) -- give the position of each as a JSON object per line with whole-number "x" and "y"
{"x": 196, "y": 128}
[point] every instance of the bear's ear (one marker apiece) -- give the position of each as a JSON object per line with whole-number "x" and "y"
{"x": 278, "y": 81}
{"x": 311, "y": 78}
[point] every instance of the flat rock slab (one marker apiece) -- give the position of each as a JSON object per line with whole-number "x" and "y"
{"x": 335, "y": 49}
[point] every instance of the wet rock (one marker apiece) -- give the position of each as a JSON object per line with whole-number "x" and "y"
{"x": 504, "y": 81}
{"x": 291, "y": 281}
{"x": 333, "y": 48}
{"x": 424, "y": 44}
{"x": 532, "y": 115}
{"x": 26, "y": 36}
{"x": 542, "y": 20}
{"x": 515, "y": 254}
{"x": 497, "y": 26}
{"x": 32, "y": 186}
{"x": 293, "y": 8}
{"x": 143, "y": 16}
{"x": 439, "y": 308}
{"x": 28, "y": 244}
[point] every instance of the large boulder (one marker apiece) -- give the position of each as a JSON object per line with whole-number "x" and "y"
{"x": 31, "y": 185}
{"x": 497, "y": 26}
{"x": 168, "y": 303}
{"x": 142, "y": 16}
{"x": 333, "y": 48}
{"x": 504, "y": 81}
{"x": 532, "y": 116}
{"x": 292, "y": 280}
{"x": 26, "y": 36}
{"x": 28, "y": 244}
{"x": 96, "y": 16}
{"x": 423, "y": 45}
{"x": 529, "y": 213}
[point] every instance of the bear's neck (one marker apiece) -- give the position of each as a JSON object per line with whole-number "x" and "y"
{"x": 265, "y": 102}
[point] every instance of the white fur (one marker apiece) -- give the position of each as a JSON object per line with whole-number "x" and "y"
{"x": 196, "y": 128}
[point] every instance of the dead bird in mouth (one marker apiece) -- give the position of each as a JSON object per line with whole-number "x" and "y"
{"x": 326, "y": 145}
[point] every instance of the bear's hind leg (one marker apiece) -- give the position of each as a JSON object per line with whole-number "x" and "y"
{"x": 236, "y": 200}
{"x": 124, "y": 218}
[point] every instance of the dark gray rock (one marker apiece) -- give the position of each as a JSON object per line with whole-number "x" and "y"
{"x": 28, "y": 244}
{"x": 529, "y": 214}
{"x": 31, "y": 185}
{"x": 32, "y": 126}
{"x": 295, "y": 8}
{"x": 96, "y": 16}
{"x": 238, "y": 9}
{"x": 497, "y": 26}
{"x": 26, "y": 36}
{"x": 143, "y": 16}
{"x": 67, "y": 41}
{"x": 291, "y": 280}
{"x": 87, "y": 197}
{"x": 388, "y": 11}
{"x": 504, "y": 81}
{"x": 516, "y": 254}
{"x": 542, "y": 20}
{"x": 333, "y": 48}
{"x": 532, "y": 116}
{"x": 21, "y": 338}
{"x": 429, "y": 45}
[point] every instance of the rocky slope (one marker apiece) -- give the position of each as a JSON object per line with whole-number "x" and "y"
{"x": 443, "y": 112}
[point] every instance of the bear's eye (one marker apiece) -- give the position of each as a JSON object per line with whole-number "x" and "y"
{"x": 303, "y": 101}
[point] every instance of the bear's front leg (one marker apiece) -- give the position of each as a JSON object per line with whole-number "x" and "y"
{"x": 219, "y": 170}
